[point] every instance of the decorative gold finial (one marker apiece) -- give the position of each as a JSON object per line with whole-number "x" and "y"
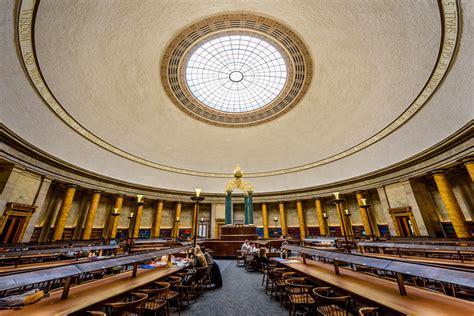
{"x": 237, "y": 172}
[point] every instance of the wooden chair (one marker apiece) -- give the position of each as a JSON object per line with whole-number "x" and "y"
{"x": 272, "y": 278}
{"x": 131, "y": 306}
{"x": 173, "y": 293}
{"x": 371, "y": 311}
{"x": 250, "y": 262}
{"x": 240, "y": 259}
{"x": 199, "y": 278}
{"x": 281, "y": 287}
{"x": 331, "y": 305}
{"x": 156, "y": 300}
{"x": 266, "y": 267}
{"x": 299, "y": 294}
{"x": 187, "y": 291}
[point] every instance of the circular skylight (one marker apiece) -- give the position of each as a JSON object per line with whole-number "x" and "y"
{"x": 236, "y": 73}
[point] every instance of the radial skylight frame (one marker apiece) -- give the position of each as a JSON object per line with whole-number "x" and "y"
{"x": 236, "y": 73}
{"x": 213, "y": 108}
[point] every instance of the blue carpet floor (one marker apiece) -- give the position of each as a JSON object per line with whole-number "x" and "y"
{"x": 241, "y": 294}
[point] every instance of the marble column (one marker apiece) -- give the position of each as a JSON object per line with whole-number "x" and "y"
{"x": 138, "y": 219}
{"x": 364, "y": 216}
{"x": 63, "y": 213}
{"x": 228, "y": 208}
{"x": 284, "y": 228}
{"x": 177, "y": 220}
{"x": 299, "y": 207}
{"x": 246, "y": 209}
{"x": 323, "y": 229}
{"x": 89, "y": 224}
{"x": 452, "y": 206}
{"x": 116, "y": 219}
{"x": 157, "y": 220}
{"x": 250, "y": 207}
{"x": 265, "y": 220}
{"x": 470, "y": 168}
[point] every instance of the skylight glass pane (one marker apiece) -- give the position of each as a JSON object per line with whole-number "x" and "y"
{"x": 236, "y": 73}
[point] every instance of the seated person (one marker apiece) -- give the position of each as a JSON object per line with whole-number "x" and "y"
{"x": 245, "y": 247}
{"x": 200, "y": 259}
{"x": 252, "y": 248}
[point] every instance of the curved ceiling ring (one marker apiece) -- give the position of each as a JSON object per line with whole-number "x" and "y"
{"x": 449, "y": 12}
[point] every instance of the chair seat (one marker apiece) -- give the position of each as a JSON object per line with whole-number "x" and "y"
{"x": 154, "y": 305}
{"x": 301, "y": 299}
{"x": 171, "y": 295}
{"x": 332, "y": 310}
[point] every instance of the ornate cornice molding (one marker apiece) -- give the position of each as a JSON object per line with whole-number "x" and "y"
{"x": 450, "y": 21}
{"x": 444, "y": 154}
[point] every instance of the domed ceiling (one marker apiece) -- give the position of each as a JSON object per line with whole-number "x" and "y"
{"x": 384, "y": 87}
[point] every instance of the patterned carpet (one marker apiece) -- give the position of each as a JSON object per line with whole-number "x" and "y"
{"x": 241, "y": 294}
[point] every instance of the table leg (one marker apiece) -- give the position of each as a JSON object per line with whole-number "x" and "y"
{"x": 67, "y": 285}
{"x": 401, "y": 285}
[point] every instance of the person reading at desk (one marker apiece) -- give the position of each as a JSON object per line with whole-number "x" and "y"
{"x": 245, "y": 247}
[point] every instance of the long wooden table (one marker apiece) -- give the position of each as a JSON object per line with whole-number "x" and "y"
{"x": 429, "y": 260}
{"x": 88, "y": 294}
{"x": 382, "y": 292}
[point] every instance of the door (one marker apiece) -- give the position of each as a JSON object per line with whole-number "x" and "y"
{"x": 12, "y": 229}
{"x": 405, "y": 226}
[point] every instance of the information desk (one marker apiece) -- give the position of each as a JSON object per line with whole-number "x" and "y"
{"x": 375, "y": 291}
{"x": 88, "y": 294}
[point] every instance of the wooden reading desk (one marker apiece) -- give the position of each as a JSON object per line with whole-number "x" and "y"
{"x": 88, "y": 294}
{"x": 382, "y": 292}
